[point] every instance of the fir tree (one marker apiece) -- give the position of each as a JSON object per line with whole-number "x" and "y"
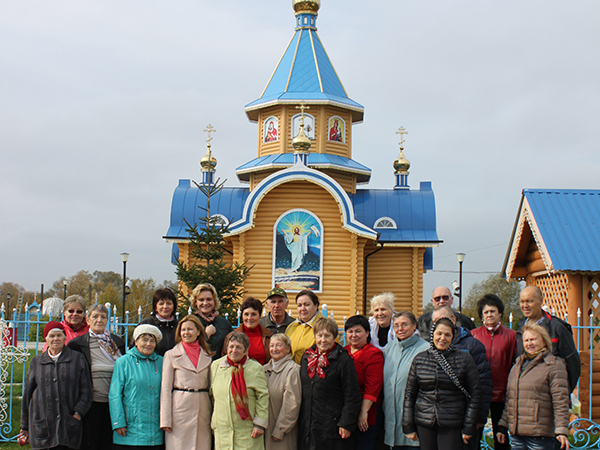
{"x": 207, "y": 249}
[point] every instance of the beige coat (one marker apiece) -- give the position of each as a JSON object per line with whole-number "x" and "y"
{"x": 285, "y": 395}
{"x": 537, "y": 398}
{"x": 188, "y": 413}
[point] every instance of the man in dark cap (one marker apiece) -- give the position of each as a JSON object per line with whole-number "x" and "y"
{"x": 277, "y": 320}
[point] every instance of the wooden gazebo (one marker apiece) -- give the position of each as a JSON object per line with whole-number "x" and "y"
{"x": 555, "y": 245}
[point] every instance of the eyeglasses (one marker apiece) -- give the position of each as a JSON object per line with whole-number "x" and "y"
{"x": 441, "y": 297}
{"x": 75, "y": 311}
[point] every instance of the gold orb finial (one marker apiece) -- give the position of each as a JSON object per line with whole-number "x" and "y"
{"x": 208, "y": 161}
{"x": 306, "y": 5}
{"x": 401, "y": 164}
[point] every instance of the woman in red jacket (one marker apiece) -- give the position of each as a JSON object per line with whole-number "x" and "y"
{"x": 368, "y": 361}
{"x": 500, "y": 348}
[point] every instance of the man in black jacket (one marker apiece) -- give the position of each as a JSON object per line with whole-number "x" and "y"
{"x": 560, "y": 332}
{"x": 441, "y": 296}
{"x": 465, "y": 341}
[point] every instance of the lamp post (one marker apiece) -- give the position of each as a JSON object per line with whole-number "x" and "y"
{"x": 8, "y": 296}
{"x": 124, "y": 258}
{"x": 461, "y": 258}
{"x": 64, "y": 289}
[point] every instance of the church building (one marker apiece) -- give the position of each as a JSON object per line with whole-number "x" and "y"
{"x": 303, "y": 220}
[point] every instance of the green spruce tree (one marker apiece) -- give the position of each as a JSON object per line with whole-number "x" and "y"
{"x": 207, "y": 249}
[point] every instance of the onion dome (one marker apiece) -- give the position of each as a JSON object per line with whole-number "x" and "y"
{"x": 401, "y": 164}
{"x": 208, "y": 161}
{"x": 306, "y": 6}
{"x": 301, "y": 142}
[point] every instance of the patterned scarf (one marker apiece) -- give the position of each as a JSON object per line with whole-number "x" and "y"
{"x": 107, "y": 345}
{"x": 493, "y": 329}
{"x": 317, "y": 361}
{"x": 210, "y": 318}
{"x": 443, "y": 363}
{"x": 238, "y": 388}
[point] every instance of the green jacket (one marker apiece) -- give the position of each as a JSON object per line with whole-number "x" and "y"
{"x": 134, "y": 399}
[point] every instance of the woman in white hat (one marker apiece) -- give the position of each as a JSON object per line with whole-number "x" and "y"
{"x": 134, "y": 396}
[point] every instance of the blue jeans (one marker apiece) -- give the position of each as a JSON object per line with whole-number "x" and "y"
{"x": 532, "y": 443}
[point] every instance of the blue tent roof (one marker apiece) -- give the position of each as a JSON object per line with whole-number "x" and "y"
{"x": 569, "y": 223}
{"x": 305, "y": 72}
{"x": 315, "y": 161}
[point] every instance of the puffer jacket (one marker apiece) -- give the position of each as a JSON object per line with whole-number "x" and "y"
{"x": 537, "y": 397}
{"x": 465, "y": 341}
{"x": 431, "y": 398}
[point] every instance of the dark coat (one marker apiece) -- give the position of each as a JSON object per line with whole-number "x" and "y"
{"x": 53, "y": 393}
{"x": 424, "y": 323}
{"x": 329, "y": 403}
{"x": 563, "y": 345}
{"x": 168, "y": 331}
{"x": 216, "y": 341}
{"x": 431, "y": 398}
{"x": 81, "y": 344}
{"x": 465, "y": 341}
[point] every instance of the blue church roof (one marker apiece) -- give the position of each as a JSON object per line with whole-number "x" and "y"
{"x": 315, "y": 161}
{"x": 412, "y": 212}
{"x": 305, "y": 72}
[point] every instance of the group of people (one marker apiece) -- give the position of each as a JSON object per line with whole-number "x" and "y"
{"x": 279, "y": 383}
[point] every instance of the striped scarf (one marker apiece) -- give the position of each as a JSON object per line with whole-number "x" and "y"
{"x": 238, "y": 388}
{"x": 443, "y": 363}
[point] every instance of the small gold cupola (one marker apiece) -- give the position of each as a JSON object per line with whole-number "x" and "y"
{"x": 208, "y": 162}
{"x": 401, "y": 165}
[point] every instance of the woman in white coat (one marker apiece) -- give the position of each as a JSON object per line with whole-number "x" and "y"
{"x": 185, "y": 406}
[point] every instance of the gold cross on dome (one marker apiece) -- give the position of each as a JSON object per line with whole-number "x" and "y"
{"x": 401, "y": 131}
{"x": 302, "y": 107}
{"x": 209, "y": 129}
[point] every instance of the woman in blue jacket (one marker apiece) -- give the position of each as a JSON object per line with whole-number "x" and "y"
{"x": 134, "y": 396}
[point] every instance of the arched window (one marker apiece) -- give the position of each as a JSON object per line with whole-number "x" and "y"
{"x": 385, "y": 222}
{"x": 220, "y": 219}
{"x": 309, "y": 125}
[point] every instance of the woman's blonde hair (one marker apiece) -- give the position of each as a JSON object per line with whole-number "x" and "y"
{"x": 326, "y": 324}
{"x": 75, "y": 299}
{"x": 386, "y": 298}
{"x": 205, "y": 287}
{"x": 530, "y": 326}
{"x": 284, "y": 339}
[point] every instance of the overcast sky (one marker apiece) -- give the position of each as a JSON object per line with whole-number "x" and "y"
{"x": 102, "y": 107}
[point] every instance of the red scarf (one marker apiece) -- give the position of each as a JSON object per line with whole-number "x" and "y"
{"x": 238, "y": 388}
{"x": 192, "y": 351}
{"x": 317, "y": 361}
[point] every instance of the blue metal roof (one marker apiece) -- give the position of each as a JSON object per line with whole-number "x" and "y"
{"x": 188, "y": 202}
{"x": 413, "y": 212}
{"x": 305, "y": 72}
{"x": 569, "y": 223}
{"x": 315, "y": 161}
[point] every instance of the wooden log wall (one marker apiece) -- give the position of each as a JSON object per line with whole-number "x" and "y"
{"x": 342, "y": 251}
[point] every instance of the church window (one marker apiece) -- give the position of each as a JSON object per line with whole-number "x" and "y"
{"x": 385, "y": 222}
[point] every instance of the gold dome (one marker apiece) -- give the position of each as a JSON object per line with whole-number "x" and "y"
{"x": 301, "y": 142}
{"x": 401, "y": 164}
{"x": 208, "y": 161}
{"x": 306, "y": 5}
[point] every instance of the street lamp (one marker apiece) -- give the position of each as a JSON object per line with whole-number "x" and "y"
{"x": 124, "y": 258}
{"x": 461, "y": 258}
{"x": 65, "y": 289}
{"x": 8, "y": 296}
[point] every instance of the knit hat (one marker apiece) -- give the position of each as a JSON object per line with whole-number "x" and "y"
{"x": 53, "y": 326}
{"x": 276, "y": 291}
{"x": 147, "y": 329}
